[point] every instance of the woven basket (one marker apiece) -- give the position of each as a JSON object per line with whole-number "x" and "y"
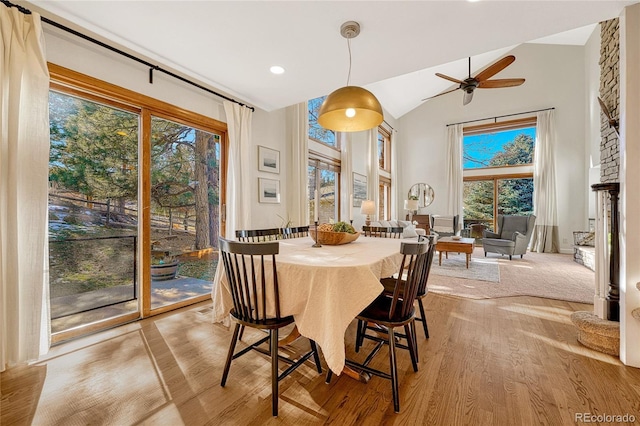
{"x": 333, "y": 238}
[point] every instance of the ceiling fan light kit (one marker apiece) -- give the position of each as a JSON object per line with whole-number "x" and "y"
{"x": 350, "y": 108}
{"x": 481, "y": 81}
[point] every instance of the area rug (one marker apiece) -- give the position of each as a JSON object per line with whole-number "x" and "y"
{"x": 481, "y": 269}
{"x": 551, "y": 276}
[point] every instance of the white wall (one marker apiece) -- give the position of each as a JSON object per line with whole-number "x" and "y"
{"x": 268, "y": 129}
{"x": 629, "y": 184}
{"x": 593, "y": 114}
{"x": 555, "y": 77}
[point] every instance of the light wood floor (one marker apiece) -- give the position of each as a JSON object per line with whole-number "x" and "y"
{"x": 507, "y": 361}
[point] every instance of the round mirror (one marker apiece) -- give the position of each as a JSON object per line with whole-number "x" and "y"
{"x": 423, "y": 193}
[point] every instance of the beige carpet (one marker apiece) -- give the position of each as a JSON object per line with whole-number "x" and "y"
{"x": 480, "y": 268}
{"x": 552, "y": 276}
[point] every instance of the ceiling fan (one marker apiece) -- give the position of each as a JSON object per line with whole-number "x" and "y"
{"x": 481, "y": 81}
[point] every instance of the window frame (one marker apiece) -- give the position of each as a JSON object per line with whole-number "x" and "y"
{"x": 73, "y": 83}
{"x": 496, "y": 173}
{"x": 324, "y": 162}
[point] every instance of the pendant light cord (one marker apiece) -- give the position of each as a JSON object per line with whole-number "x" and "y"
{"x": 349, "y": 47}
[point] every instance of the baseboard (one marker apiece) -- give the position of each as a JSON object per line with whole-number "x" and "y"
{"x": 566, "y": 251}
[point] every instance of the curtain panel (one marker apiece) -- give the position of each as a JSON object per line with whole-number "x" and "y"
{"x": 545, "y": 232}
{"x": 394, "y": 177}
{"x": 346, "y": 172}
{"x": 24, "y": 173}
{"x": 454, "y": 170}
{"x": 297, "y": 160}
{"x": 372, "y": 169}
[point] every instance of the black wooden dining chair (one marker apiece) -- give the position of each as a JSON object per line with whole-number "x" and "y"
{"x": 389, "y": 283}
{"x": 259, "y": 235}
{"x": 295, "y": 232}
{"x": 392, "y": 312}
{"x": 252, "y": 274}
{"x": 382, "y": 232}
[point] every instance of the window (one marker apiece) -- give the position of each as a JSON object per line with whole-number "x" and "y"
{"x": 324, "y": 177}
{"x": 498, "y": 171}
{"x": 124, "y": 202}
{"x": 384, "y": 173}
{"x": 316, "y": 131}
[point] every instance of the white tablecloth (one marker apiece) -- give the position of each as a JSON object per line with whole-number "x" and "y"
{"x": 325, "y": 288}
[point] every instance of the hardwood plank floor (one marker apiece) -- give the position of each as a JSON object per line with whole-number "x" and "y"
{"x": 505, "y": 361}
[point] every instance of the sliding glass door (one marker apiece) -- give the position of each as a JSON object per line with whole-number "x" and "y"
{"x": 135, "y": 197}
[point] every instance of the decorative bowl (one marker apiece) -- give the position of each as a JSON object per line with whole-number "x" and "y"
{"x": 333, "y": 238}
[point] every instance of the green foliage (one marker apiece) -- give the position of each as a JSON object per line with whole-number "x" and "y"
{"x": 343, "y": 227}
{"x": 515, "y": 196}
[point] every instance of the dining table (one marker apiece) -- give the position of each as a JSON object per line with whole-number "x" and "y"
{"x": 324, "y": 288}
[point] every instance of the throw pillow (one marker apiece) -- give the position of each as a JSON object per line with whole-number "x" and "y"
{"x": 409, "y": 232}
{"x": 404, "y": 223}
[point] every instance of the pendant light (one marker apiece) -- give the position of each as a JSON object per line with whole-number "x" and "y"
{"x": 350, "y": 108}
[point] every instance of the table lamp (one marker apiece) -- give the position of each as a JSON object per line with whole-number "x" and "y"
{"x": 368, "y": 208}
{"x": 411, "y": 206}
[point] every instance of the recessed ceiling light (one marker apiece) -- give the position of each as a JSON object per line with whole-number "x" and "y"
{"x": 277, "y": 69}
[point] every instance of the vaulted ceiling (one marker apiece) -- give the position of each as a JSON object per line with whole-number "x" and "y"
{"x": 230, "y": 45}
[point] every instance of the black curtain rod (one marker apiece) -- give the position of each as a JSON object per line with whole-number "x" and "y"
{"x": 151, "y": 66}
{"x": 501, "y": 116}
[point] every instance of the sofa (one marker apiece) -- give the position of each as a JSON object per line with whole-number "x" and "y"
{"x": 409, "y": 229}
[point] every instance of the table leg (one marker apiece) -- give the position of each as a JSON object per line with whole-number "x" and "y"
{"x": 468, "y": 258}
{"x": 439, "y": 258}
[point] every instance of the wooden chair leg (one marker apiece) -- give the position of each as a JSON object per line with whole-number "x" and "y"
{"x": 423, "y": 318}
{"x": 241, "y": 332}
{"x": 415, "y": 339}
{"x": 411, "y": 343}
{"x": 329, "y": 375}
{"x": 232, "y": 348}
{"x": 274, "y": 371}
{"x": 394, "y": 370}
{"x": 361, "y": 329}
{"x": 316, "y": 357}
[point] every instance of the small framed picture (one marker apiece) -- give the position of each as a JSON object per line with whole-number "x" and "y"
{"x": 268, "y": 160}
{"x": 269, "y": 190}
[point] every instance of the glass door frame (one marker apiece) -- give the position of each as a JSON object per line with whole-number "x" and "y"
{"x": 78, "y": 84}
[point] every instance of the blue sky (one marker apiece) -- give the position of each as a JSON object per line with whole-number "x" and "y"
{"x": 483, "y": 147}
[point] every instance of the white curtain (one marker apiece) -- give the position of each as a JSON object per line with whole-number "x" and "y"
{"x": 24, "y": 173}
{"x": 454, "y": 170}
{"x": 372, "y": 169}
{"x": 346, "y": 171}
{"x": 297, "y": 158}
{"x": 394, "y": 177}
{"x": 545, "y": 233}
{"x": 239, "y": 187}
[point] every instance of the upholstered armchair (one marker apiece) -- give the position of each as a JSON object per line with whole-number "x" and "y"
{"x": 444, "y": 226}
{"x": 512, "y": 238}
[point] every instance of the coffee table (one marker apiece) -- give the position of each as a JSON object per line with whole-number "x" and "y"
{"x": 448, "y": 244}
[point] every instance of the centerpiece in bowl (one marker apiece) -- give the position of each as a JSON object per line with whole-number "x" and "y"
{"x": 333, "y": 234}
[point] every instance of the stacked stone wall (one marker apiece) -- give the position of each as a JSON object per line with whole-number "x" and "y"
{"x": 610, "y": 95}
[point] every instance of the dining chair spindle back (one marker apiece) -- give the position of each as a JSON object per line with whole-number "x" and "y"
{"x": 390, "y": 312}
{"x": 252, "y": 276}
{"x": 383, "y": 232}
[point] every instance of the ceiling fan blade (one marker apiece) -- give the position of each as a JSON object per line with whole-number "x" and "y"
{"x": 505, "y": 82}
{"x": 495, "y": 68}
{"x": 443, "y": 93}
{"x": 446, "y": 77}
{"x": 604, "y": 108}
{"x": 467, "y": 97}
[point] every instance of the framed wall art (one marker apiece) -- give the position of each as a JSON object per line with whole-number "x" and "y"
{"x": 268, "y": 160}
{"x": 269, "y": 190}
{"x": 359, "y": 189}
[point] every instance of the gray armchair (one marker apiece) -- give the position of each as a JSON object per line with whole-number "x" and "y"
{"x": 444, "y": 226}
{"x": 512, "y": 238}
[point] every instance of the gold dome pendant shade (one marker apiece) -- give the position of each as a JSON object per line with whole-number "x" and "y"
{"x": 350, "y": 108}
